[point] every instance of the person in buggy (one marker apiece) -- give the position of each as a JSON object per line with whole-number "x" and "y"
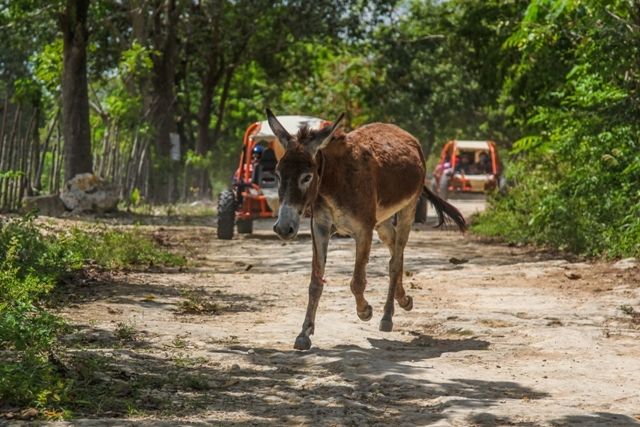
{"x": 256, "y": 155}
{"x": 464, "y": 164}
{"x": 263, "y": 163}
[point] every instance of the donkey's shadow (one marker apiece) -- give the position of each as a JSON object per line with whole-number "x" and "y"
{"x": 391, "y": 375}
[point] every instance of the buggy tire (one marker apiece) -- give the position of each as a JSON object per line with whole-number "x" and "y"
{"x": 421, "y": 210}
{"x": 226, "y": 214}
{"x": 444, "y": 186}
{"x": 434, "y": 185}
{"x": 502, "y": 185}
{"x": 245, "y": 226}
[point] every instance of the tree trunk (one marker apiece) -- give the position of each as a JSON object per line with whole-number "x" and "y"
{"x": 75, "y": 96}
{"x": 224, "y": 96}
{"x": 164, "y": 101}
{"x": 230, "y": 70}
{"x": 45, "y": 149}
{"x": 203, "y": 142}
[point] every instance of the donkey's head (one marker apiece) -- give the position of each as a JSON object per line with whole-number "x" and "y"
{"x": 297, "y": 172}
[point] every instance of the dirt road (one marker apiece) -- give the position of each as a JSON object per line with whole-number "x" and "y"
{"x": 511, "y": 337}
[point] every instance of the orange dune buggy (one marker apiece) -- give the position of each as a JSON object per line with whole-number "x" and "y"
{"x": 467, "y": 167}
{"x": 254, "y": 189}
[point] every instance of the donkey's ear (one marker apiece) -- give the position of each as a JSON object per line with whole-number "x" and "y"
{"x": 279, "y": 131}
{"x": 323, "y": 136}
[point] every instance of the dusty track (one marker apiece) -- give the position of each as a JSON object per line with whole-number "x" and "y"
{"x": 504, "y": 339}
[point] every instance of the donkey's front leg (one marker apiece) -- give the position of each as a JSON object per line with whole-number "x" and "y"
{"x": 321, "y": 231}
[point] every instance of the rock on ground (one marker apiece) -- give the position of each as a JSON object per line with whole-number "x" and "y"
{"x": 626, "y": 264}
{"x": 89, "y": 193}
{"x": 47, "y": 205}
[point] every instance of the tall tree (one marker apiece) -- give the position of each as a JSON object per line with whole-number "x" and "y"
{"x": 223, "y": 41}
{"x": 75, "y": 97}
{"x": 574, "y": 92}
{"x": 442, "y": 62}
{"x": 210, "y": 71}
{"x": 165, "y": 41}
{"x": 156, "y": 25}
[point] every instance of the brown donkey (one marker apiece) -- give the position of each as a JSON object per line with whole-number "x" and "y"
{"x": 353, "y": 183}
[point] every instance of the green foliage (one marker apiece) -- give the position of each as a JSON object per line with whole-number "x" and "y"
{"x": 577, "y": 174}
{"x": 48, "y": 66}
{"x": 32, "y": 263}
{"x": 198, "y": 161}
{"x": 135, "y": 198}
{"x": 24, "y": 250}
{"x": 28, "y": 272}
{"x": 125, "y": 331}
{"x": 34, "y": 382}
{"x": 558, "y": 77}
{"x": 336, "y": 81}
{"x": 26, "y": 90}
{"x": 135, "y": 61}
{"x": 111, "y": 249}
{"x": 438, "y": 70}
{"x": 11, "y": 174}
{"x": 122, "y": 103}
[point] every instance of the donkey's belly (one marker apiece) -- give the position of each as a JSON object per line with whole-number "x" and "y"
{"x": 350, "y": 219}
{"x": 344, "y": 221}
{"x": 383, "y": 213}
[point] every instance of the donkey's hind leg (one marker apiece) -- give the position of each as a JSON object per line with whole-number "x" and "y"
{"x": 387, "y": 233}
{"x": 403, "y": 228}
{"x": 359, "y": 279}
{"x": 396, "y": 239}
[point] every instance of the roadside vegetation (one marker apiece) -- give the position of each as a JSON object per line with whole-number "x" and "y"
{"x": 33, "y": 263}
{"x": 574, "y": 92}
{"x": 554, "y": 82}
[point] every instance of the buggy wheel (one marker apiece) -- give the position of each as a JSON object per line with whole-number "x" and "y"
{"x": 245, "y": 226}
{"x": 444, "y": 186}
{"x": 226, "y": 214}
{"x": 434, "y": 185}
{"x": 502, "y": 185}
{"x": 421, "y": 210}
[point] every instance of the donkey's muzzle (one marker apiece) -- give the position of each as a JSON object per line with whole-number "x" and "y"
{"x": 285, "y": 233}
{"x": 288, "y": 223}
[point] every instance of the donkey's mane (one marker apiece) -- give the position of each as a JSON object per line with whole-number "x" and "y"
{"x": 305, "y": 133}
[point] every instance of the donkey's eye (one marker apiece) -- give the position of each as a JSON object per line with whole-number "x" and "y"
{"x": 306, "y": 178}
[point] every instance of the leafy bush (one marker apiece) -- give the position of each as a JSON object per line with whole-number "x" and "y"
{"x": 28, "y": 272}
{"x": 31, "y": 263}
{"x": 577, "y": 176}
{"x": 115, "y": 249}
{"x": 585, "y": 200}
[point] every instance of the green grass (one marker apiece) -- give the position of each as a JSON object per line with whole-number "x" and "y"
{"x": 126, "y": 332}
{"x": 32, "y": 263}
{"x": 115, "y": 249}
{"x": 197, "y": 302}
{"x": 177, "y": 210}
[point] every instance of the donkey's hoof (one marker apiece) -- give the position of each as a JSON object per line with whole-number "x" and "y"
{"x": 302, "y": 343}
{"x": 408, "y": 305}
{"x": 386, "y": 325}
{"x": 367, "y": 314}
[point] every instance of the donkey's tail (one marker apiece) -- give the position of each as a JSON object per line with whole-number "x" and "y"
{"x": 445, "y": 210}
